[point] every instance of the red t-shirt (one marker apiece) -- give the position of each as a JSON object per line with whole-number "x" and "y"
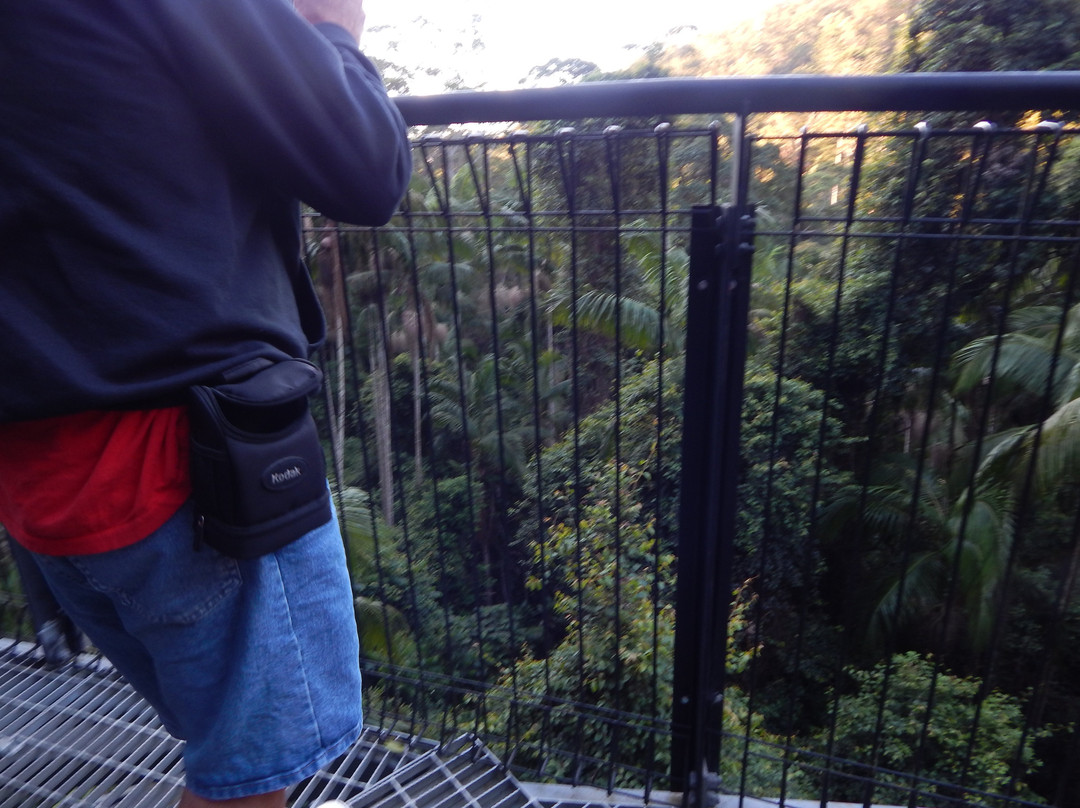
{"x": 92, "y": 481}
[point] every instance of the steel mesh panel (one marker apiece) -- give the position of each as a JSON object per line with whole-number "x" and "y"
{"x": 463, "y": 775}
{"x": 81, "y": 736}
{"x": 376, "y": 756}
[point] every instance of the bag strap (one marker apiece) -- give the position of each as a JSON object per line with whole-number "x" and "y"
{"x": 312, "y": 319}
{"x": 246, "y": 369}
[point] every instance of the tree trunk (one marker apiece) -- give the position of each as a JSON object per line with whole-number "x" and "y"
{"x": 418, "y": 437}
{"x": 380, "y": 378}
{"x": 334, "y": 302}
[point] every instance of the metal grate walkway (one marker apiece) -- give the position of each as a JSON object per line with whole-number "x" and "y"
{"x": 82, "y": 737}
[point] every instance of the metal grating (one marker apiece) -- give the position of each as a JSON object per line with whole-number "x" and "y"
{"x": 81, "y": 736}
{"x": 463, "y": 775}
{"x": 377, "y": 756}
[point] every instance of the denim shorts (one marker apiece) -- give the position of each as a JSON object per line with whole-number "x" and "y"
{"x": 254, "y": 664}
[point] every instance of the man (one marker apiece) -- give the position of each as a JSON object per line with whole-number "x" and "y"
{"x": 152, "y": 153}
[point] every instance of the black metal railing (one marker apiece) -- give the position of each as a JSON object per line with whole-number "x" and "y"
{"x": 709, "y": 445}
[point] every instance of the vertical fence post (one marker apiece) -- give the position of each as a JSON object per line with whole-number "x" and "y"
{"x": 721, "y": 249}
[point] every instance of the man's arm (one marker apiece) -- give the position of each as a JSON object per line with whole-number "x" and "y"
{"x": 300, "y": 106}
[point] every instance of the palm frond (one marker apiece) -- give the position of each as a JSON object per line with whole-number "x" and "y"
{"x": 982, "y": 529}
{"x": 998, "y": 458}
{"x": 1059, "y": 446}
{"x": 907, "y": 595}
{"x": 638, "y": 323}
{"x": 1071, "y": 336}
{"x": 1020, "y": 360}
{"x": 437, "y": 274}
{"x": 394, "y": 240}
{"x": 384, "y": 633}
{"x": 1038, "y": 321}
{"x": 364, "y": 285}
{"x": 891, "y": 505}
{"x": 358, "y": 520}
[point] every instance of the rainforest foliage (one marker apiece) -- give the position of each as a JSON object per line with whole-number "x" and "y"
{"x": 903, "y": 586}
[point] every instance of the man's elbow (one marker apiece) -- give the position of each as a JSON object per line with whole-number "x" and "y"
{"x": 386, "y": 201}
{"x": 374, "y": 195}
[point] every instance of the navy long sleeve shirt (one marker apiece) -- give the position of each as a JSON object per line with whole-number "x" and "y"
{"x": 152, "y": 157}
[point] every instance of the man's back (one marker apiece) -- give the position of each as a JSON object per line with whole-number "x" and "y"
{"x": 151, "y": 153}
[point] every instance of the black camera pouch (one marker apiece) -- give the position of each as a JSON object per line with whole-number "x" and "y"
{"x": 257, "y": 468}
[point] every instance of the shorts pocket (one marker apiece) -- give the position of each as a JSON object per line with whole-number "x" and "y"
{"x": 163, "y": 579}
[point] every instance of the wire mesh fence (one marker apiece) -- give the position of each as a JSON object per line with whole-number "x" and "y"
{"x": 510, "y": 439}
{"x": 908, "y": 548}
{"x": 507, "y": 405}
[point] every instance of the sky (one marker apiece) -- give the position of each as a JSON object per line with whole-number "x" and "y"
{"x": 518, "y": 36}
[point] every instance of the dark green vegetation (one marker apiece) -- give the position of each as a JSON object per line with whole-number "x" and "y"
{"x": 14, "y": 615}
